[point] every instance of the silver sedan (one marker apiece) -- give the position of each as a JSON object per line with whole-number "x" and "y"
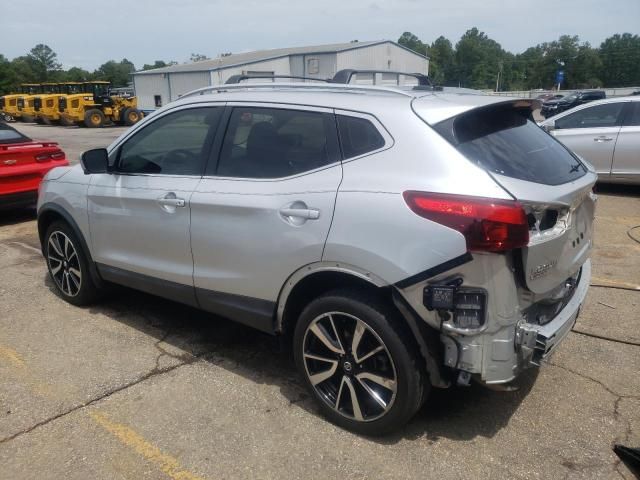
{"x": 606, "y": 133}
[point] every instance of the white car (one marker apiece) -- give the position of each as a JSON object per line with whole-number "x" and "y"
{"x": 606, "y": 133}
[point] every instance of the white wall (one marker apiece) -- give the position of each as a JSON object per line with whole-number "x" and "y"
{"x": 182, "y": 83}
{"x": 279, "y": 65}
{"x": 386, "y": 56}
{"x": 146, "y": 86}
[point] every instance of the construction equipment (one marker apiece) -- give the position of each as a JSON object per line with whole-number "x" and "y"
{"x": 95, "y": 107}
{"x": 47, "y": 106}
{"x": 25, "y": 101}
{"x": 12, "y": 105}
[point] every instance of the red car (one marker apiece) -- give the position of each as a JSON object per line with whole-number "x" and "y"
{"x": 23, "y": 164}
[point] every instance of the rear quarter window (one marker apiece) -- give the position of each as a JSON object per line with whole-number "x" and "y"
{"x": 504, "y": 140}
{"x": 358, "y": 136}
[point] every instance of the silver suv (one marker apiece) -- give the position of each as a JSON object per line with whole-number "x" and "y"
{"x": 399, "y": 239}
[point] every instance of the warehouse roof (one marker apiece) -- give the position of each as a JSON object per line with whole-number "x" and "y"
{"x": 262, "y": 55}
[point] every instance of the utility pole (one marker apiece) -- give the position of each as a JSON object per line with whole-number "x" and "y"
{"x": 500, "y": 65}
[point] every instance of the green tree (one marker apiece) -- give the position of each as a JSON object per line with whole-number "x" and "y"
{"x": 441, "y": 61}
{"x": 412, "y": 42}
{"x": 8, "y": 78}
{"x": 620, "y": 56}
{"x": 118, "y": 73}
{"x": 478, "y": 60}
{"x": 44, "y": 61}
{"x": 76, "y": 74}
{"x": 158, "y": 64}
{"x": 198, "y": 57}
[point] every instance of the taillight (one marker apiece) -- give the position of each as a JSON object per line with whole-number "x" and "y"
{"x": 488, "y": 225}
{"x": 44, "y": 157}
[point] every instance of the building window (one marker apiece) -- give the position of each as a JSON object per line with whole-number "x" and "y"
{"x": 313, "y": 66}
{"x": 157, "y": 99}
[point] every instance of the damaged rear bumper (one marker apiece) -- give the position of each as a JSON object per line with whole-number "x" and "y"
{"x": 536, "y": 342}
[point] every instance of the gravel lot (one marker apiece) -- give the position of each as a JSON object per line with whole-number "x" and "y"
{"x": 138, "y": 387}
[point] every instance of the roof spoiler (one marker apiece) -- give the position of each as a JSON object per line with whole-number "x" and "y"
{"x": 424, "y": 82}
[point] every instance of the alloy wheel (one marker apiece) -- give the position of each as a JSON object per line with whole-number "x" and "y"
{"x": 349, "y": 366}
{"x": 64, "y": 263}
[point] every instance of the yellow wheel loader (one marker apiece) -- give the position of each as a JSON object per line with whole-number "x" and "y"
{"x": 48, "y": 107}
{"x": 95, "y": 107}
{"x": 12, "y": 105}
{"x": 26, "y": 101}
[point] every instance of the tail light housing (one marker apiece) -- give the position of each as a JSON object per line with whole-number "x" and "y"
{"x": 45, "y": 157}
{"x": 488, "y": 225}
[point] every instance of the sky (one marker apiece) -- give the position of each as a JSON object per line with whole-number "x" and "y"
{"x": 87, "y": 33}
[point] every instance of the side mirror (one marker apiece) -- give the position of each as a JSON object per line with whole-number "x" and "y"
{"x": 95, "y": 161}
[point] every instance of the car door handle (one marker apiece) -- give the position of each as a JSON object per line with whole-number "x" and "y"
{"x": 602, "y": 138}
{"x": 170, "y": 200}
{"x": 306, "y": 213}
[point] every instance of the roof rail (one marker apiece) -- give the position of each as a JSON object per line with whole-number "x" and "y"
{"x": 297, "y": 86}
{"x": 238, "y": 78}
{"x": 344, "y": 77}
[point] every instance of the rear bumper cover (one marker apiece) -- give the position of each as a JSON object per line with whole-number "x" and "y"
{"x": 537, "y": 342}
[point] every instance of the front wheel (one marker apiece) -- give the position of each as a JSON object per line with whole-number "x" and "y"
{"x": 68, "y": 265}
{"x": 94, "y": 118}
{"x": 359, "y": 362}
{"x": 131, "y": 116}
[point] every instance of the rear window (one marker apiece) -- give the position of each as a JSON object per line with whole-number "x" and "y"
{"x": 504, "y": 140}
{"x": 9, "y": 135}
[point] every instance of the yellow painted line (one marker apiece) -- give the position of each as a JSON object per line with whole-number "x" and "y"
{"x": 11, "y": 355}
{"x": 132, "y": 439}
{"x": 615, "y": 283}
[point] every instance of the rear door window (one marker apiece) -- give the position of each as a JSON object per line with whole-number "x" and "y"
{"x": 633, "y": 116}
{"x": 276, "y": 143}
{"x": 605, "y": 115}
{"x": 504, "y": 140}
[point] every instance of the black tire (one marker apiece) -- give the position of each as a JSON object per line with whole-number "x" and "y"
{"x": 131, "y": 116}
{"x": 386, "y": 328}
{"x": 27, "y": 118}
{"x": 94, "y": 118}
{"x": 46, "y": 120}
{"x": 66, "y": 123}
{"x": 61, "y": 263}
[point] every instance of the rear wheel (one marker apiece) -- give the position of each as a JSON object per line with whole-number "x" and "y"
{"x": 94, "y": 118}
{"x": 68, "y": 265}
{"x": 27, "y": 118}
{"x": 46, "y": 120}
{"x": 65, "y": 122}
{"x": 131, "y": 116}
{"x": 358, "y": 362}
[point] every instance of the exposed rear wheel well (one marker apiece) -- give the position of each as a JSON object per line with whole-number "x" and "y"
{"x": 314, "y": 285}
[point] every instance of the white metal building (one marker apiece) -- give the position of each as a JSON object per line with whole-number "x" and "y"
{"x": 157, "y": 87}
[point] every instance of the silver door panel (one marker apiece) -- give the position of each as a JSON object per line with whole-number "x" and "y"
{"x": 594, "y": 144}
{"x": 138, "y": 224}
{"x": 249, "y": 236}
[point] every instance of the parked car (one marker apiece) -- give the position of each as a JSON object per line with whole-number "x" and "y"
{"x": 397, "y": 239}
{"x": 554, "y": 107}
{"x": 23, "y": 164}
{"x": 545, "y": 97}
{"x": 606, "y": 134}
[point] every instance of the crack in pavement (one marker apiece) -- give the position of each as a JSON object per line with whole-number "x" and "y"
{"x": 152, "y": 373}
{"x": 616, "y": 406}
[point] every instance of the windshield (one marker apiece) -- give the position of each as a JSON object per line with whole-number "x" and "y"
{"x": 504, "y": 140}
{"x": 570, "y": 97}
